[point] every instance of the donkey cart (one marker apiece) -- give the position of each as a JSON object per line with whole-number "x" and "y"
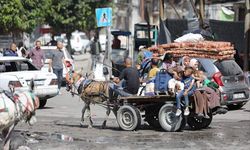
{"x": 158, "y": 111}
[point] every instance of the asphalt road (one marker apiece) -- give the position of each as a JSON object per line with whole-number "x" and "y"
{"x": 61, "y": 116}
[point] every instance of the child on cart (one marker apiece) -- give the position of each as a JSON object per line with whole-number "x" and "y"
{"x": 189, "y": 87}
{"x": 150, "y": 85}
{"x": 175, "y": 85}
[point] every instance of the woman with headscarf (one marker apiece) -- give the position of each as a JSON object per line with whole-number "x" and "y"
{"x": 194, "y": 64}
{"x": 199, "y": 75}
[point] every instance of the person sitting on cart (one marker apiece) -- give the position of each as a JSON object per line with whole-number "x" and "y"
{"x": 143, "y": 57}
{"x": 189, "y": 88}
{"x": 198, "y": 75}
{"x": 185, "y": 62}
{"x": 116, "y": 43}
{"x": 168, "y": 62}
{"x": 175, "y": 85}
{"x": 151, "y": 77}
{"x": 154, "y": 68}
{"x": 131, "y": 77}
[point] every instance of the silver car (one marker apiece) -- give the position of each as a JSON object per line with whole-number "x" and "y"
{"x": 231, "y": 80}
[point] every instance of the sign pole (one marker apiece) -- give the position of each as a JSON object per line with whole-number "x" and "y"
{"x": 108, "y": 52}
{"x": 104, "y": 19}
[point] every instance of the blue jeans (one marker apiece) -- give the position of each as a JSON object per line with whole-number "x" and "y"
{"x": 59, "y": 74}
{"x": 118, "y": 91}
{"x": 180, "y": 95}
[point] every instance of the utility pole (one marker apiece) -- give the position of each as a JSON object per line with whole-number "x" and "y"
{"x": 247, "y": 36}
{"x": 108, "y": 52}
{"x": 202, "y": 10}
{"x": 161, "y": 10}
{"x": 147, "y": 19}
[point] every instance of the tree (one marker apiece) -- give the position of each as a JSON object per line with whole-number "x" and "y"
{"x": 22, "y": 15}
{"x": 67, "y": 16}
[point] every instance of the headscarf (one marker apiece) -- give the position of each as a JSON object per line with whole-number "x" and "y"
{"x": 192, "y": 63}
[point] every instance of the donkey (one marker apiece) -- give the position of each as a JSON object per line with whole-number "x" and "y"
{"x": 90, "y": 92}
{"x": 14, "y": 108}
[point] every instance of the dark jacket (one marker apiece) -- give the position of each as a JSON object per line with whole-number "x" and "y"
{"x": 95, "y": 47}
{"x": 9, "y": 52}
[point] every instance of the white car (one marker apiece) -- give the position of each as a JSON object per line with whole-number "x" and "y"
{"x": 79, "y": 42}
{"x": 18, "y": 72}
{"x": 68, "y": 58}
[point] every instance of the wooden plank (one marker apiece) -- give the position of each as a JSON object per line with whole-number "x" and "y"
{"x": 139, "y": 99}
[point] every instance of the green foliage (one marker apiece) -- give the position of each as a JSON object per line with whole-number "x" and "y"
{"x": 62, "y": 15}
{"x": 69, "y": 15}
{"x": 22, "y": 15}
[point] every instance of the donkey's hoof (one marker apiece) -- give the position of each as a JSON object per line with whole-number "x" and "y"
{"x": 90, "y": 127}
{"x": 104, "y": 125}
{"x": 81, "y": 124}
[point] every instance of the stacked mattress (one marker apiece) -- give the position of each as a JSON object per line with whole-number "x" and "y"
{"x": 202, "y": 49}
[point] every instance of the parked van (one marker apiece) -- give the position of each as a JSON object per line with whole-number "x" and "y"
{"x": 79, "y": 42}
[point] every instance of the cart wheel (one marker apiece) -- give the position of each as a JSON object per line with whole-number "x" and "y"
{"x": 128, "y": 117}
{"x": 207, "y": 121}
{"x": 168, "y": 120}
{"x": 197, "y": 124}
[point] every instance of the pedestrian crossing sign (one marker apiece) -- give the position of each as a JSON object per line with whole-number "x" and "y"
{"x": 103, "y": 17}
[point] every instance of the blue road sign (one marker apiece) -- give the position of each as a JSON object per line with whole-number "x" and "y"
{"x": 103, "y": 17}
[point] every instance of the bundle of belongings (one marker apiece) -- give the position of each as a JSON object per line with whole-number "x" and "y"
{"x": 201, "y": 49}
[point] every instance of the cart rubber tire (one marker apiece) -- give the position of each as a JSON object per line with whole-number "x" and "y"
{"x": 128, "y": 118}
{"x": 197, "y": 124}
{"x": 168, "y": 120}
{"x": 235, "y": 106}
{"x": 207, "y": 122}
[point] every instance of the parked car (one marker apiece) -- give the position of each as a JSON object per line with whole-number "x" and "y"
{"x": 79, "y": 42}
{"x": 230, "y": 78}
{"x": 68, "y": 58}
{"x": 18, "y": 72}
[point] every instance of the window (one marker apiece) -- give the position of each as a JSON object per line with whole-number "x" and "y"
{"x": 228, "y": 68}
{"x": 17, "y": 65}
{"x": 83, "y": 37}
{"x": 200, "y": 67}
{"x": 10, "y": 66}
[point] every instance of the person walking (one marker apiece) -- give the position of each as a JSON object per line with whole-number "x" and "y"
{"x": 95, "y": 51}
{"x": 12, "y": 51}
{"x": 52, "y": 42}
{"x": 22, "y": 50}
{"x": 116, "y": 43}
{"x": 56, "y": 62}
{"x": 37, "y": 55}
